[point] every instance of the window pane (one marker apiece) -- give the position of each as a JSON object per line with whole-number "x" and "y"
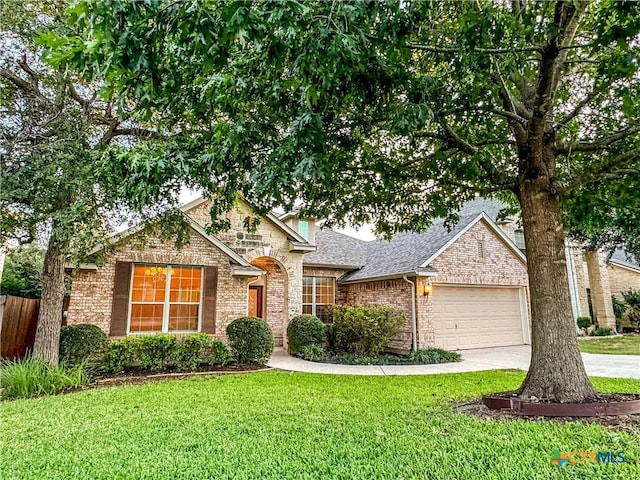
{"x": 303, "y": 229}
{"x": 185, "y": 284}
{"x": 307, "y": 290}
{"x": 149, "y": 282}
{"x": 183, "y": 317}
{"x": 146, "y": 317}
{"x": 324, "y": 290}
{"x": 307, "y": 309}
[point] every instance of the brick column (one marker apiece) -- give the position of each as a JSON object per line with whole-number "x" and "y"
{"x": 600, "y": 290}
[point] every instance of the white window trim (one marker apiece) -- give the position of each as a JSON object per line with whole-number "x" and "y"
{"x": 314, "y": 304}
{"x": 166, "y": 303}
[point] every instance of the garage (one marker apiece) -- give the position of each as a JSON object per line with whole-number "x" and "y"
{"x": 478, "y": 317}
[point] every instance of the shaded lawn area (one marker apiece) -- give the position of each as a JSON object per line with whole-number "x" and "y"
{"x": 280, "y": 425}
{"x": 627, "y": 345}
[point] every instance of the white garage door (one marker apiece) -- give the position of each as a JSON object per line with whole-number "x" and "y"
{"x": 477, "y": 317}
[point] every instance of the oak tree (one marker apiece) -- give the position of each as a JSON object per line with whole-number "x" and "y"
{"x": 396, "y": 113}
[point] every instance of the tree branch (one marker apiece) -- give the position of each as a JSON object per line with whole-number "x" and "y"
{"x": 435, "y": 49}
{"x": 598, "y": 144}
{"x": 600, "y": 170}
{"x": 580, "y": 105}
{"x": 24, "y": 85}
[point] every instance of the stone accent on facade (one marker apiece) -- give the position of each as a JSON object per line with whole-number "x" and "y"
{"x": 600, "y": 290}
{"x": 92, "y": 290}
{"x": 275, "y": 306}
{"x": 267, "y": 241}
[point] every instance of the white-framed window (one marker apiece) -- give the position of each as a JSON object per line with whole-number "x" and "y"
{"x": 518, "y": 237}
{"x": 317, "y": 294}
{"x": 165, "y": 298}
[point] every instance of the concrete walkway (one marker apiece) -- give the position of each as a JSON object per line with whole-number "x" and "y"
{"x": 622, "y": 366}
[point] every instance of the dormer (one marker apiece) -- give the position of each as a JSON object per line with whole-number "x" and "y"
{"x": 305, "y": 227}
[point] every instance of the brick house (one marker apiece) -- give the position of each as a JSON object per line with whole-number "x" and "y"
{"x": 461, "y": 289}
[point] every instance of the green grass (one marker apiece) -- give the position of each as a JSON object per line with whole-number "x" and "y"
{"x": 279, "y": 425}
{"x": 627, "y": 345}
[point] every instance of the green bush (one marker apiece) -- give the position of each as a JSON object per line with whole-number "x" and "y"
{"x": 312, "y": 352}
{"x": 250, "y": 339}
{"x": 583, "y": 322}
{"x": 362, "y": 330}
{"x": 601, "y": 332}
{"x": 190, "y": 349}
{"x": 22, "y": 270}
{"x": 619, "y": 307}
{"x": 156, "y": 352}
{"x": 30, "y": 378}
{"x": 304, "y": 330}
{"x": 120, "y": 354}
{"x": 632, "y": 299}
{"x": 79, "y": 342}
{"x": 219, "y": 354}
{"x": 434, "y": 355}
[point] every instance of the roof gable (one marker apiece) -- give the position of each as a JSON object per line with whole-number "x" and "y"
{"x": 271, "y": 217}
{"x": 492, "y": 226}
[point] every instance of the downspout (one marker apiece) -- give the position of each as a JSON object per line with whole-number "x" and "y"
{"x": 414, "y": 327}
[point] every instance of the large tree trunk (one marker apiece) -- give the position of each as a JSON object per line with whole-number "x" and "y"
{"x": 47, "y": 339}
{"x": 556, "y": 371}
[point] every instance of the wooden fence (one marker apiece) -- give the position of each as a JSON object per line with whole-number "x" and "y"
{"x": 19, "y": 321}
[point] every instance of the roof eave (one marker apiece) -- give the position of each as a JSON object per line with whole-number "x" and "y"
{"x": 331, "y": 265}
{"x": 625, "y": 265}
{"x": 298, "y": 247}
{"x": 414, "y": 273}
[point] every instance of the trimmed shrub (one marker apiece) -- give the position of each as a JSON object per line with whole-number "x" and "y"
{"x": 156, "y": 352}
{"x": 190, "y": 349}
{"x": 79, "y": 342}
{"x": 250, "y": 339}
{"x": 219, "y": 354}
{"x": 312, "y": 352}
{"x": 583, "y": 323}
{"x": 30, "y": 378}
{"x": 601, "y": 332}
{"x": 434, "y": 355}
{"x": 362, "y": 330}
{"x": 304, "y": 330}
{"x": 120, "y": 354}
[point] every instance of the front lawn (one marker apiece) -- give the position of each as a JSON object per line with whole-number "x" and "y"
{"x": 290, "y": 425}
{"x": 627, "y": 345}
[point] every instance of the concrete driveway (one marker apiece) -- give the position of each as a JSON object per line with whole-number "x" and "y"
{"x": 518, "y": 357}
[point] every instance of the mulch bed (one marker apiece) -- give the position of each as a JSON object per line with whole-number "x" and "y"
{"x": 139, "y": 378}
{"x": 627, "y": 423}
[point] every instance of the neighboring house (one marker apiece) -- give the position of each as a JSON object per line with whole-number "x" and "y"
{"x": 461, "y": 289}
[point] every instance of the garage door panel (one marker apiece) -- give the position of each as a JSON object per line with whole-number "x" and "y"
{"x": 476, "y": 317}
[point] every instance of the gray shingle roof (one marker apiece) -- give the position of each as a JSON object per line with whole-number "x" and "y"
{"x": 490, "y": 206}
{"x": 625, "y": 259}
{"x": 337, "y": 249}
{"x": 405, "y": 253}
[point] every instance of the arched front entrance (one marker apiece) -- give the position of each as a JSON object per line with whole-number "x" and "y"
{"x": 268, "y": 296}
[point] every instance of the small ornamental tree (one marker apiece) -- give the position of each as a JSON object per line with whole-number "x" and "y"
{"x": 396, "y": 113}
{"x": 60, "y": 182}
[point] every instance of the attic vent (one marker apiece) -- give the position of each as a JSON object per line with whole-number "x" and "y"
{"x": 480, "y": 249}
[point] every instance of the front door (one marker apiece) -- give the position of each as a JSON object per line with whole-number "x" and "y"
{"x": 255, "y": 301}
